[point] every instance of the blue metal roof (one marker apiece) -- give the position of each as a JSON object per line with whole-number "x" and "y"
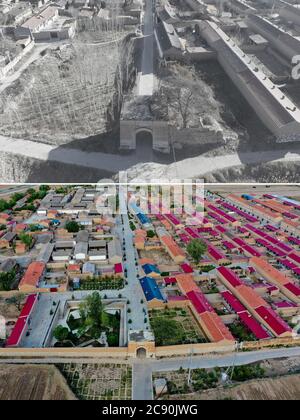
{"x": 150, "y": 268}
{"x": 150, "y": 289}
{"x": 143, "y": 218}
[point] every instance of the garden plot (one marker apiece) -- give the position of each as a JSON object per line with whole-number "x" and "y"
{"x": 183, "y": 382}
{"x": 99, "y": 382}
{"x": 102, "y": 284}
{"x": 175, "y": 326}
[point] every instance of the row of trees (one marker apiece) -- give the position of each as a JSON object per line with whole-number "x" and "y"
{"x": 32, "y": 194}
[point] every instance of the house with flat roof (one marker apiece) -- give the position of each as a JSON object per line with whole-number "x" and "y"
{"x": 114, "y": 249}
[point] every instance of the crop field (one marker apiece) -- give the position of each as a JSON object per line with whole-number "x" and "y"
{"x": 29, "y": 382}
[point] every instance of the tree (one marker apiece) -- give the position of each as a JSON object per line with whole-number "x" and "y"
{"x": 196, "y": 249}
{"x": 44, "y": 188}
{"x": 150, "y": 234}
{"x": 61, "y": 333}
{"x": 26, "y": 239}
{"x": 92, "y": 312}
{"x": 7, "y": 280}
{"x": 72, "y": 226}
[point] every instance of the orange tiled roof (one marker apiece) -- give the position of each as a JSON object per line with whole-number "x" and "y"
{"x": 267, "y": 212}
{"x": 217, "y": 329}
{"x": 172, "y": 246}
{"x": 267, "y": 269}
{"x": 186, "y": 283}
{"x": 33, "y": 274}
{"x": 249, "y": 295}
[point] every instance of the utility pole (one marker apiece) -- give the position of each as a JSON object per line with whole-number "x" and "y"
{"x": 190, "y": 367}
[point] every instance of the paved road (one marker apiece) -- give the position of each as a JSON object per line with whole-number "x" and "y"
{"x": 146, "y": 76}
{"x": 143, "y": 369}
{"x": 241, "y": 358}
{"x": 133, "y": 290}
{"x": 142, "y": 381}
{"x": 166, "y": 364}
{"x": 188, "y": 168}
{"x": 14, "y": 189}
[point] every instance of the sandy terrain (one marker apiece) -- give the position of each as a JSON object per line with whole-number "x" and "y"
{"x": 28, "y": 382}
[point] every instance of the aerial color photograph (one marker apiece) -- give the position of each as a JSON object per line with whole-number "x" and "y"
{"x": 149, "y": 203}
{"x": 195, "y": 88}
{"x": 127, "y": 298}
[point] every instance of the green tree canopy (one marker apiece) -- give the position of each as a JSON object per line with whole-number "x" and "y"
{"x": 196, "y": 249}
{"x": 61, "y": 333}
{"x": 26, "y": 239}
{"x": 72, "y": 226}
{"x": 7, "y": 280}
{"x": 92, "y": 314}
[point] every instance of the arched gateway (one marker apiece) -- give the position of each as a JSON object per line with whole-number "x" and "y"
{"x": 141, "y": 353}
{"x": 154, "y": 134}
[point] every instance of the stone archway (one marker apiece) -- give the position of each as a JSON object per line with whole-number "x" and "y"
{"x": 141, "y": 353}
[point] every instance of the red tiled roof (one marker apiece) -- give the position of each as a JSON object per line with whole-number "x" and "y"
{"x": 217, "y": 329}
{"x": 230, "y": 276}
{"x": 17, "y": 332}
{"x": 21, "y": 323}
{"x": 118, "y": 268}
{"x": 199, "y": 302}
{"x": 273, "y": 320}
{"x": 253, "y": 325}
{"x": 294, "y": 257}
{"x": 233, "y": 302}
{"x": 293, "y": 288}
{"x": 187, "y": 268}
{"x": 27, "y": 308}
